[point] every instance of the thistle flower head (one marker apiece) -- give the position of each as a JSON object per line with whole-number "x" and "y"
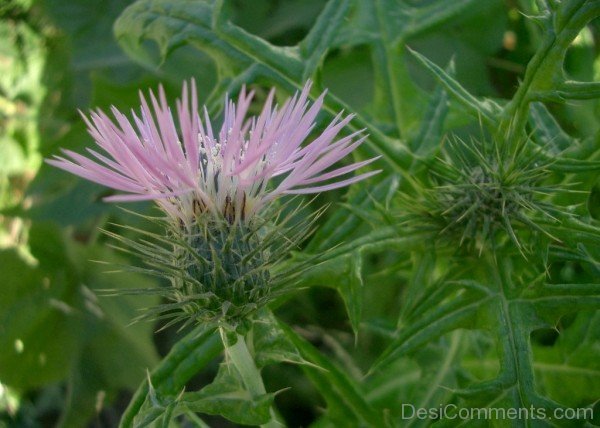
{"x": 480, "y": 190}
{"x": 223, "y": 236}
{"x": 188, "y": 168}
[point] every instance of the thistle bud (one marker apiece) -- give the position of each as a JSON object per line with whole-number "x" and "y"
{"x": 483, "y": 195}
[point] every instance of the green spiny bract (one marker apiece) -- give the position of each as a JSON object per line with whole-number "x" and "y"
{"x": 480, "y": 194}
{"x": 226, "y": 269}
{"x": 219, "y": 270}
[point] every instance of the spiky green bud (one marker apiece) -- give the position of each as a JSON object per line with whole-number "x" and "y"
{"x": 479, "y": 194}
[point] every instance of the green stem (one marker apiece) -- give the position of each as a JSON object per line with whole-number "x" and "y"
{"x": 240, "y": 356}
{"x": 188, "y": 357}
{"x": 544, "y": 71}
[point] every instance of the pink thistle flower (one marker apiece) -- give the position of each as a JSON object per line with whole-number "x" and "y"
{"x": 188, "y": 169}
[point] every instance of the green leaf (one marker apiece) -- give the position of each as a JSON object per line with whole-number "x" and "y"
{"x": 547, "y": 130}
{"x": 594, "y": 201}
{"x": 189, "y": 356}
{"x": 430, "y": 134}
{"x": 226, "y": 396}
{"x": 25, "y": 52}
{"x": 344, "y": 275}
{"x": 117, "y": 313}
{"x": 424, "y": 381}
{"x": 574, "y": 165}
{"x": 404, "y": 20}
{"x": 315, "y": 45}
{"x": 270, "y": 344}
{"x": 485, "y": 109}
{"x": 340, "y": 268}
{"x": 158, "y": 409}
{"x": 572, "y": 360}
{"x": 513, "y": 314}
{"x": 448, "y": 308}
{"x": 172, "y": 23}
{"x": 56, "y": 328}
{"x": 344, "y": 397}
{"x": 343, "y": 222}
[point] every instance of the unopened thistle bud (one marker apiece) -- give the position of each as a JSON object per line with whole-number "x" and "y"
{"x": 217, "y": 189}
{"x": 483, "y": 195}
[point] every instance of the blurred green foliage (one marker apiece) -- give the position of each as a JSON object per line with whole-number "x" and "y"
{"x": 395, "y": 313}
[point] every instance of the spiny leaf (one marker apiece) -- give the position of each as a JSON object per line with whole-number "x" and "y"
{"x": 270, "y": 343}
{"x": 317, "y": 42}
{"x": 547, "y": 129}
{"x": 187, "y": 357}
{"x": 488, "y": 110}
{"x": 430, "y": 135}
{"x": 339, "y": 391}
{"x": 434, "y": 321}
{"x": 342, "y": 223}
{"x": 226, "y": 396}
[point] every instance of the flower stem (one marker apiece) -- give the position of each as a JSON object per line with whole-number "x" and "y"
{"x": 244, "y": 363}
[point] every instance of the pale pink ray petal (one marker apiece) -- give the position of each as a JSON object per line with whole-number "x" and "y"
{"x": 331, "y": 157}
{"x": 93, "y": 175}
{"x": 96, "y": 167}
{"x": 209, "y": 129}
{"x": 339, "y": 171}
{"x": 332, "y": 186}
{"x": 189, "y": 125}
{"x": 300, "y": 162}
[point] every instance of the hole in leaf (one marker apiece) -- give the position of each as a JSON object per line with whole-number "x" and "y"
{"x": 544, "y": 336}
{"x": 565, "y": 360}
